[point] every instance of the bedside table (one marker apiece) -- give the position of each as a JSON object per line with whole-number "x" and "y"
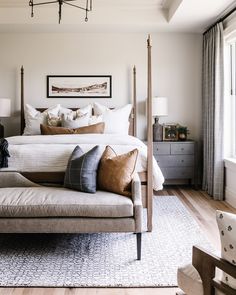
{"x": 176, "y": 159}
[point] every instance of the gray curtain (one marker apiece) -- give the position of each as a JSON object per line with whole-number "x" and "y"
{"x": 213, "y": 112}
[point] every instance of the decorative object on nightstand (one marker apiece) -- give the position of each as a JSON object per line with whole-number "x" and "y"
{"x": 182, "y": 133}
{"x": 5, "y": 111}
{"x": 170, "y": 132}
{"x": 159, "y": 109}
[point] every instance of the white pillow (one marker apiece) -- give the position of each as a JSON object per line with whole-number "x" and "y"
{"x": 34, "y": 118}
{"x": 227, "y": 227}
{"x": 82, "y": 111}
{"x": 78, "y": 122}
{"x": 99, "y": 109}
{"x": 95, "y": 120}
{"x": 116, "y": 121}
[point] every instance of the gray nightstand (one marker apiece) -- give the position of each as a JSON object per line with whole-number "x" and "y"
{"x": 176, "y": 159}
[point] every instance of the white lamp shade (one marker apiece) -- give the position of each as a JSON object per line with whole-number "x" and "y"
{"x": 159, "y": 106}
{"x": 5, "y": 107}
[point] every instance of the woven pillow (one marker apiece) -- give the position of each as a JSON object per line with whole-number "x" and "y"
{"x": 115, "y": 173}
{"x": 227, "y": 227}
{"x": 50, "y": 130}
{"x": 81, "y": 172}
{"x": 53, "y": 120}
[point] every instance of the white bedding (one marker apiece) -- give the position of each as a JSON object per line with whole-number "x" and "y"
{"x": 51, "y": 153}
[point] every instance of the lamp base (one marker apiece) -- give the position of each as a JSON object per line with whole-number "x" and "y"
{"x": 157, "y": 131}
{"x": 1, "y": 131}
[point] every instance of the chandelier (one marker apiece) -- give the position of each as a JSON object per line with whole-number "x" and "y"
{"x": 87, "y": 8}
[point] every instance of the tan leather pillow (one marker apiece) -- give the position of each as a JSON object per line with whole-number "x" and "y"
{"x": 50, "y": 130}
{"x": 115, "y": 172}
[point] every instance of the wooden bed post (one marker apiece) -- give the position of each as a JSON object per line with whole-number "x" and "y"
{"x": 22, "y": 103}
{"x": 134, "y": 102}
{"x": 149, "y": 139}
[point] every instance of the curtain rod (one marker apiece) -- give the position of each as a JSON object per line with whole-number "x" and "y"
{"x": 221, "y": 19}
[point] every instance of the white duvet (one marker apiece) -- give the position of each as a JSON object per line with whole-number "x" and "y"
{"x": 40, "y": 153}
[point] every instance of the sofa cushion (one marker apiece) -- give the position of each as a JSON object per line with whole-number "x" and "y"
{"x": 189, "y": 280}
{"x": 62, "y": 202}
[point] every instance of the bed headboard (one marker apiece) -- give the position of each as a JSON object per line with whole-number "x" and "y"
{"x": 133, "y": 116}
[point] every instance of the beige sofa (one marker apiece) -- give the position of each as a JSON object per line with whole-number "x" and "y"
{"x": 29, "y": 208}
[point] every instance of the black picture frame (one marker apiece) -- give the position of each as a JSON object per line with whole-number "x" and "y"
{"x": 79, "y": 86}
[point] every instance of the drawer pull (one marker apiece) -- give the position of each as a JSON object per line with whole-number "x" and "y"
{"x": 182, "y": 149}
{"x": 182, "y": 161}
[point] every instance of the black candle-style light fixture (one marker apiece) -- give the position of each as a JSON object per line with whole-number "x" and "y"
{"x": 87, "y": 8}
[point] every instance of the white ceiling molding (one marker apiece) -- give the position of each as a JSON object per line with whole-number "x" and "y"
{"x": 192, "y": 16}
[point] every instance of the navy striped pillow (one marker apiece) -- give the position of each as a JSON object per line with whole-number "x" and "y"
{"x": 81, "y": 172}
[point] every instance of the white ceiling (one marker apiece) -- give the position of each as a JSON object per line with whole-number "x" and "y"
{"x": 114, "y": 15}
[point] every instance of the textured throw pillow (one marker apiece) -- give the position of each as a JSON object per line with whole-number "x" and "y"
{"x": 53, "y": 120}
{"x": 77, "y": 122}
{"x": 34, "y": 118}
{"x": 81, "y": 172}
{"x": 116, "y": 121}
{"x": 50, "y": 130}
{"x": 227, "y": 227}
{"x": 115, "y": 173}
{"x": 79, "y": 112}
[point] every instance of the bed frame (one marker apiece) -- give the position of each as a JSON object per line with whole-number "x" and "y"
{"x": 145, "y": 177}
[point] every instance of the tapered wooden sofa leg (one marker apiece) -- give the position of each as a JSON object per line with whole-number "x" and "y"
{"x": 139, "y": 245}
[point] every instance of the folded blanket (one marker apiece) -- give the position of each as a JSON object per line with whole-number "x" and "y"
{"x": 4, "y": 153}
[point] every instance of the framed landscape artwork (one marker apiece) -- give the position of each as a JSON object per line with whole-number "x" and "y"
{"x": 79, "y": 86}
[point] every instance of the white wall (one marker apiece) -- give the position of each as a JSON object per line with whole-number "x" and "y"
{"x": 176, "y": 70}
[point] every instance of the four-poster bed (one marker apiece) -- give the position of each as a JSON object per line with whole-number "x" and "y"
{"x": 146, "y": 177}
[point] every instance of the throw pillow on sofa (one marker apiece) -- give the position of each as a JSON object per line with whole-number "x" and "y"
{"x": 227, "y": 228}
{"x": 115, "y": 173}
{"x": 81, "y": 172}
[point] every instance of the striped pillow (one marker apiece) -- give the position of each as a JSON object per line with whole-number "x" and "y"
{"x": 81, "y": 172}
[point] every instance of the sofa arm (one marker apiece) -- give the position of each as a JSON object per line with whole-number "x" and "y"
{"x": 137, "y": 200}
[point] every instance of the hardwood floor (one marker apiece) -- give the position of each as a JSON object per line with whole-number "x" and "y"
{"x": 202, "y": 208}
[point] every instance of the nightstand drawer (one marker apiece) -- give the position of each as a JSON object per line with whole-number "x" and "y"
{"x": 182, "y": 148}
{"x": 161, "y": 148}
{"x": 178, "y": 173}
{"x": 175, "y": 160}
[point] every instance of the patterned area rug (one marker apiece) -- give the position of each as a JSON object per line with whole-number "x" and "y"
{"x": 104, "y": 260}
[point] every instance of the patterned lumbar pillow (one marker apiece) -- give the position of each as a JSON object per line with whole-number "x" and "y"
{"x": 81, "y": 172}
{"x": 227, "y": 227}
{"x": 116, "y": 172}
{"x": 51, "y": 130}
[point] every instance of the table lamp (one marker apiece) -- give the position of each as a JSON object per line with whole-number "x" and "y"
{"x": 159, "y": 109}
{"x": 5, "y": 111}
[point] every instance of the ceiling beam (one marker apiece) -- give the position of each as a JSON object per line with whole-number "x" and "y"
{"x": 171, "y": 6}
